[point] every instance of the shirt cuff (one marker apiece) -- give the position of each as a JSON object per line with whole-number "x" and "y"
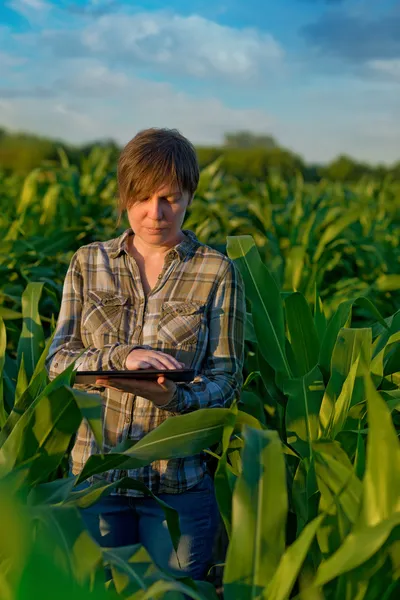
{"x": 175, "y": 402}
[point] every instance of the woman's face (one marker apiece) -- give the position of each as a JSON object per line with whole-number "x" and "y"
{"x": 157, "y": 220}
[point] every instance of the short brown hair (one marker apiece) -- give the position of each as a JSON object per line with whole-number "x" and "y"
{"x": 152, "y": 158}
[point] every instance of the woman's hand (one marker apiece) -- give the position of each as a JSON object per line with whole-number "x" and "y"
{"x": 160, "y": 392}
{"x": 151, "y": 359}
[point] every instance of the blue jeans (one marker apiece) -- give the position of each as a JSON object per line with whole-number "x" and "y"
{"x": 125, "y": 520}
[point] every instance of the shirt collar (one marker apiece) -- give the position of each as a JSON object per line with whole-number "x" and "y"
{"x": 187, "y": 245}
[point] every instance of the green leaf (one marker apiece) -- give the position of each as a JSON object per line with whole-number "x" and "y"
{"x": 162, "y": 587}
{"x": 333, "y": 230}
{"x": 294, "y": 267}
{"x": 76, "y": 551}
{"x": 31, "y": 342}
{"x": 357, "y": 548}
{"x": 269, "y": 380}
{"x": 45, "y": 429}
{"x": 29, "y": 191}
{"x": 340, "y": 495}
{"x": 52, "y": 492}
{"x": 252, "y": 404}
{"x": 388, "y": 283}
{"x": 29, "y": 396}
{"x": 300, "y": 497}
{"x": 250, "y": 333}
{"x": 340, "y": 319}
{"x": 39, "y": 377}
{"x": 335, "y": 471}
{"x": 266, "y": 303}
{"x": 132, "y": 569}
{"x": 289, "y": 567}
{"x": 359, "y": 460}
{"x": 22, "y": 381}
{"x": 383, "y": 344}
{"x": 346, "y": 384}
{"x": 386, "y": 332}
{"x": 90, "y": 405}
{"x": 177, "y": 437}
{"x": 319, "y": 316}
{"x": 14, "y": 541}
{"x": 302, "y": 411}
{"x": 259, "y": 517}
{"x": 302, "y": 333}
{"x": 136, "y": 576}
{"x": 7, "y": 313}
{"x": 224, "y": 478}
{"x": 382, "y": 474}
{"x": 381, "y": 494}
{"x": 3, "y": 345}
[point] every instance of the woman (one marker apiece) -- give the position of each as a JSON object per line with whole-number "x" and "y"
{"x": 155, "y": 297}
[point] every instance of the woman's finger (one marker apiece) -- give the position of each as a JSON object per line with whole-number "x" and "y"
{"x": 170, "y": 360}
{"x": 160, "y": 363}
{"x": 162, "y": 383}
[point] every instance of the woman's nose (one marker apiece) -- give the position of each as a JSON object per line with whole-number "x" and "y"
{"x": 155, "y": 209}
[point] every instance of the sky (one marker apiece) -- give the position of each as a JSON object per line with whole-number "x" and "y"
{"x": 321, "y": 76}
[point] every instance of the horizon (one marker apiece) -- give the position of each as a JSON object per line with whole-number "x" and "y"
{"x": 221, "y": 145}
{"x": 320, "y": 76}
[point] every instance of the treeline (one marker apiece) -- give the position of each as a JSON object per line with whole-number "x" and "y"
{"x": 243, "y": 155}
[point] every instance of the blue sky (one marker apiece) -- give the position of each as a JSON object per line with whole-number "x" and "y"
{"x": 322, "y": 76}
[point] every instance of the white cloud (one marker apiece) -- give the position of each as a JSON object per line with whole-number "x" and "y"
{"x": 390, "y": 67}
{"x": 91, "y": 101}
{"x": 104, "y": 104}
{"x": 8, "y": 61}
{"x": 32, "y": 10}
{"x": 83, "y": 80}
{"x": 170, "y": 43}
{"x": 20, "y": 5}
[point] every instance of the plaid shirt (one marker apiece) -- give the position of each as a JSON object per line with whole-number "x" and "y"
{"x": 196, "y": 313}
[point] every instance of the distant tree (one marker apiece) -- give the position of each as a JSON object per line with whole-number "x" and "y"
{"x": 247, "y": 139}
{"x": 253, "y": 162}
{"x": 395, "y": 171}
{"x": 345, "y": 169}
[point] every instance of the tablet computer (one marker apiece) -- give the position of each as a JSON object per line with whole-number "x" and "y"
{"x": 177, "y": 375}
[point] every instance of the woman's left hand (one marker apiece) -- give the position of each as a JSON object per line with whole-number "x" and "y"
{"x": 160, "y": 392}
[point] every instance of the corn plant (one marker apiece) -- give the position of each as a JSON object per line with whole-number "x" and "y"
{"x": 307, "y": 463}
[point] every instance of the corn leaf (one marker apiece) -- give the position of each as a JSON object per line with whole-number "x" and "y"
{"x": 263, "y": 293}
{"x": 31, "y": 342}
{"x": 302, "y": 333}
{"x": 258, "y": 517}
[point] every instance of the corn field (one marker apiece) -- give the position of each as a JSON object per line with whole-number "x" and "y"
{"x": 307, "y": 463}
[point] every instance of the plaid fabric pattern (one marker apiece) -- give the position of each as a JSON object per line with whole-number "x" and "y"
{"x": 196, "y": 312}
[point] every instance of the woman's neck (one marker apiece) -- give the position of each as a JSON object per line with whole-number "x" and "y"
{"x": 137, "y": 248}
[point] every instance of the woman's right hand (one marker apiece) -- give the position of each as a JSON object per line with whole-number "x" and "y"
{"x": 151, "y": 359}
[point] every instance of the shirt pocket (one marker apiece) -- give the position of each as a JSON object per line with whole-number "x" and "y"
{"x": 103, "y": 311}
{"x": 180, "y": 322}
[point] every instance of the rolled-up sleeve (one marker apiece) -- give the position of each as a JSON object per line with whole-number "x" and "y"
{"x": 221, "y": 377}
{"x": 67, "y": 343}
